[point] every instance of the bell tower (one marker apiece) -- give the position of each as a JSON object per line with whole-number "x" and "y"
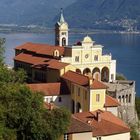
{"x": 61, "y": 31}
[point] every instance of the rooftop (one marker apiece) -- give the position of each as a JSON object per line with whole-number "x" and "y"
{"x": 108, "y": 124}
{"x": 78, "y": 126}
{"x": 111, "y": 102}
{"x": 40, "y": 62}
{"x": 76, "y": 78}
{"x": 98, "y": 85}
{"x": 47, "y": 89}
{"x": 38, "y": 48}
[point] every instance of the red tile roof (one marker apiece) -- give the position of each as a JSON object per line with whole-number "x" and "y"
{"x": 109, "y": 124}
{"x": 44, "y": 49}
{"x": 77, "y": 126}
{"x": 47, "y": 89}
{"x": 111, "y": 102}
{"x": 30, "y": 59}
{"x": 40, "y": 62}
{"x": 76, "y": 78}
{"x": 97, "y": 85}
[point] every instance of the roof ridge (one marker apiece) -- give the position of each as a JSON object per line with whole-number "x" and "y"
{"x": 79, "y": 74}
{"x": 81, "y": 121}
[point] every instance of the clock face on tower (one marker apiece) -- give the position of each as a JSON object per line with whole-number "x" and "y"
{"x": 86, "y": 56}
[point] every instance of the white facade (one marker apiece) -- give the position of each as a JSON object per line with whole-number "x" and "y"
{"x": 61, "y": 100}
{"x": 113, "y": 110}
{"x": 89, "y": 56}
{"x": 124, "y": 136}
{"x": 82, "y": 136}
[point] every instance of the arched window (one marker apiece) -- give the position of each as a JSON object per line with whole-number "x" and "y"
{"x": 78, "y": 107}
{"x": 56, "y": 53}
{"x": 96, "y": 74}
{"x": 72, "y": 106}
{"x": 105, "y": 74}
{"x": 87, "y": 71}
{"x": 119, "y": 99}
{"x": 63, "y": 41}
{"x": 126, "y": 98}
{"x": 123, "y": 99}
{"x": 78, "y": 71}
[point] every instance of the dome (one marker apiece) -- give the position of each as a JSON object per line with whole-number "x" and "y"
{"x": 87, "y": 39}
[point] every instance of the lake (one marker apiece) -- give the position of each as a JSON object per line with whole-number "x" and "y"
{"x": 125, "y": 48}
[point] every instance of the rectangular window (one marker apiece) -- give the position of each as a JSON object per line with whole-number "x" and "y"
{"x": 78, "y": 91}
{"x": 66, "y": 137}
{"x": 76, "y": 58}
{"x": 97, "y": 97}
{"x": 59, "y": 99}
{"x": 72, "y": 89}
{"x": 63, "y": 33}
{"x": 85, "y": 95}
{"x": 112, "y": 76}
{"x": 99, "y": 138}
{"x": 96, "y": 58}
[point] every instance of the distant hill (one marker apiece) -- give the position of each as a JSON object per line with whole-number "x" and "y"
{"x": 25, "y": 12}
{"x": 99, "y": 14}
{"x": 104, "y": 13}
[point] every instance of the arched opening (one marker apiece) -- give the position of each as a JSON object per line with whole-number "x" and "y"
{"x": 78, "y": 71}
{"x": 126, "y": 98}
{"x": 105, "y": 74}
{"x": 129, "y": 98}
{"x": 124, "y": 115}
{"x": 87, "y": 72}
{"x": 72, "y": 106}
{"x": 123, "y": 99}
{"x": 96, "y": 74}
{"x": 56, "y": 53}
{"x": 120, "y": 115}
{"x": 63, "y": 41}
{"x": 78, "y": 108}
{"x": 119, "y": 99}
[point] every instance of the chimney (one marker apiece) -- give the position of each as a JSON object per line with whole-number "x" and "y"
{"x": 98, "y": 116}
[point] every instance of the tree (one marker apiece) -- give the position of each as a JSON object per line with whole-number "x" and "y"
{"x": 2, "y": 41}
{"x": 134, "y": 133}
{"x": 22, "y": 112}
{"x": 120, "y": 77}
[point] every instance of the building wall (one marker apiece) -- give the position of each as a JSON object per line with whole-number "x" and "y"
{"x": 84, "y": 57}
{"x": 53, "y": 75}
{"x": 124, "y": 136}
{"x": 82, "y": 136}
{"x": 67, "y": 68}
{"x": 94, "y": 104}
{"x": 65, "y": 100}
{"x": 80, "y": 95}
{"x": 113, "y": 70}
{"x": 126, "y": 96}
{"x": 113, "y": 110}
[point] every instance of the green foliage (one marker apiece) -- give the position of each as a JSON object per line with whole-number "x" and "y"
{"x": 134, "y": 133}
{"x": 11, "y": 76}
{"x": 137, "y": 105}
{"x": 120, "y": 77}
{"x": 22, "y": 112}
{"x": 2, "y": 41}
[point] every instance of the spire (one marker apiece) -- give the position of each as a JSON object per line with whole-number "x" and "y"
{"x": 62, "y": 20}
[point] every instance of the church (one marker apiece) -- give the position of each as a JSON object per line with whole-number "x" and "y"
{"x": 72, "y": 76}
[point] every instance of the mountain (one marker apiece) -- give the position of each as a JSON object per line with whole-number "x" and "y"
{"x": 99, "y": 14}
{"x": 25, "y": 12}
{"x": 104, "y": 13}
